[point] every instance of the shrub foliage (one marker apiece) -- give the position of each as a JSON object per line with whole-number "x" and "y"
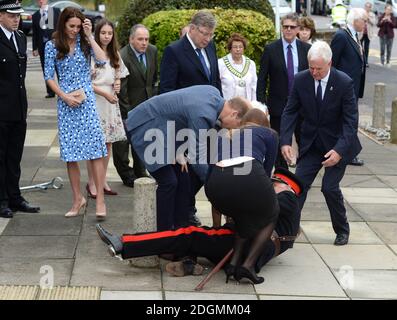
{"x": 137, "y": 10}
{"x": 164, "y": 28}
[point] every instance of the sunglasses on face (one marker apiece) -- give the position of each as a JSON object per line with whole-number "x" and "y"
{"x": 289, "y": 27}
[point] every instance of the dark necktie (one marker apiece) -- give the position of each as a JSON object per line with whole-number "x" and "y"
{"x": 203, "y": 62}
{"x": 12, "y": 41}
{"x": 290, "y": 68}
{"x": 142, "y": 63}
{"x": 319, "y": 94}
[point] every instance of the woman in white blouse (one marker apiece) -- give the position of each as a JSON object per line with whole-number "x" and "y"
{"x": 237, "y": 72}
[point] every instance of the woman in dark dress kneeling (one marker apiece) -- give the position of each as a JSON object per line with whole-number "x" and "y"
{"x": 239, "y": 186}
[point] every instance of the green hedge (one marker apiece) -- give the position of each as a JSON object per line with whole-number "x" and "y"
{"x": 137, "y": 10}
{"x": 164, "y": 28}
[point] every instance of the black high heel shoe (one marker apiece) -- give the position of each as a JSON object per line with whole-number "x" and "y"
{"x": 229, "y": 271}
{"x": 242, "y": 272}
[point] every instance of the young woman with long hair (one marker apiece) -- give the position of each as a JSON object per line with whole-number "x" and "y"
{"x": 80, "y": 134}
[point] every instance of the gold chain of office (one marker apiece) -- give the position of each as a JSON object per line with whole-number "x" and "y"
{"x": 236, "y": 72}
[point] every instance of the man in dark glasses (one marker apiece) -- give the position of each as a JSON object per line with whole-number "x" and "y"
{"x": 280, "y": 61}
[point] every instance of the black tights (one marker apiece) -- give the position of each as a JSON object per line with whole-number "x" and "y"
{"x": 254, "y": 246}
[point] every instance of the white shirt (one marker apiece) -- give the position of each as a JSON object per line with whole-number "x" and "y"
{"x": 44, "y": 9}
{"x": 207, "y": 62}
{"x": 324, "y": 82}
{"x": 294, "y": 50}
{"x": 138, "y": 55}
{"x": 8, "y": 35}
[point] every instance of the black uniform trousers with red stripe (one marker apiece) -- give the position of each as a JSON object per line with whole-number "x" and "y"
{"x": 211, "y": 243}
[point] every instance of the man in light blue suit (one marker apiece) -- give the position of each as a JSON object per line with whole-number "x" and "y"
{"x": 162, "y": 126}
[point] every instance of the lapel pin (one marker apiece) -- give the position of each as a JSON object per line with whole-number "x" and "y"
{"x": 332, "y": 88}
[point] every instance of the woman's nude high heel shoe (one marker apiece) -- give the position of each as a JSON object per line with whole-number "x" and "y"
{"x": 72, "y": 214}
{"x": 100, "y": 216}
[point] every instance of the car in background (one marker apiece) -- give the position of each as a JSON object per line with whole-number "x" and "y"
{"x": 26, "y": 17}
{"x": 284, "y": 7}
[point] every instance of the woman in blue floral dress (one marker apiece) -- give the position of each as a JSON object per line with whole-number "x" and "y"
{"x": 79, "y": 130}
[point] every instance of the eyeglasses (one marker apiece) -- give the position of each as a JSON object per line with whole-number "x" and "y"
{"x": 289, "y": 27}
{"x": 237, "y": 47}
{"x": 209, "y": 35}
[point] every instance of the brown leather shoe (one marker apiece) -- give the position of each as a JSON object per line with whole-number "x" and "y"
{"x": 183, "y": 268}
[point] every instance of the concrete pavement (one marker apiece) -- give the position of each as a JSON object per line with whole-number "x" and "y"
{"x": 36, "y": 248}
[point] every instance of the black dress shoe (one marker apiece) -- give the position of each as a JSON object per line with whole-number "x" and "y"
{"x": 114, "y": 242}
{"x": 341, "y": 239}
{"x": 194, "y": 220}
{"x": 142, "y": 174}
{"x": 6, "y": 213}
{"x": 129, "y": 182}
{"x": 24, "y": 206}
{"x": 357, "y": 162}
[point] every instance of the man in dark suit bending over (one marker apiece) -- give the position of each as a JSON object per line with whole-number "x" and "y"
{"x": 280, "y": 61}
{"x": 191, "y": 61}
{"x": 325, "y": 98}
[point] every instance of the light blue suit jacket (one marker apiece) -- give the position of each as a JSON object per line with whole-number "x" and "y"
{"x": 193, "y": 108}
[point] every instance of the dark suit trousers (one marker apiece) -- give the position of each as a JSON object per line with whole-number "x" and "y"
{"x": 275, "y": 123}
{"x": 121, "y": 151}
{"x": 11, "y": 148}
{"x": 41, "y": 55}
{"x": 211, "y": 243}
{"x": 307, "y": 169}
{"x": 173, "y": 197}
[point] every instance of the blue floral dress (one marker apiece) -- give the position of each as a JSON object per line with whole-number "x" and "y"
{"x": 79, "y": 130}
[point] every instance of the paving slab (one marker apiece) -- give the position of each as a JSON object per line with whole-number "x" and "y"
{"x": 394, "y": 248}
{"x": 358, "y": 256}
{"x": 26, "y": 270}
{"x": 362, "y": 181}
{"x": 113, "y": 274}
{"x": 390, "y": 180}
{"x": 322, "y": 232}
{"x": 387, "y": 231}
{"x": 40, "y": 138}
{"x": 216, "y": 285}
{"x": 370, "y": 195}
{"x": 300, "y": 255}
{"x": 180, "y": 295}
{"x": 356, "y": 170}
{"x": 204, "y": 208}
{"x": 55, "y": 247}
{"x": 315, "y": 195}
{"x": 90, "y": 245}
{"x": 131, "y": 295}
{"x": 42, "y": 225}
{"x": 271, "y": 297}
{"x": 373, "y": 284}
{"x": 376, "y": 212}
{"x": 299, "y": 281}
{"x": 318, "y": 211}
{"x": 3, "y": 224}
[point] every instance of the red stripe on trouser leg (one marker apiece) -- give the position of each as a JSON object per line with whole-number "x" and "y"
{"x": 174, "y": 233}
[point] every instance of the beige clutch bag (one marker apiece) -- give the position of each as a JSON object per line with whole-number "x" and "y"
{"x": 79, "y": 95}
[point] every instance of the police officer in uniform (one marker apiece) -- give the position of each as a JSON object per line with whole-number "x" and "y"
{"x": 13, "y": 109}
{"x": 338, "y": 14}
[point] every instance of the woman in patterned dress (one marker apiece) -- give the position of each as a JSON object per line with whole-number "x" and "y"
{"x": 79, "y": 130}
{"x": 106, "y": 84}
{"x": 237, "y": 72}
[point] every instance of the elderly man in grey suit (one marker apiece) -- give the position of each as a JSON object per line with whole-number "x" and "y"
{"x": 140, "y": 58}
{"x": 155, "y": 132}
